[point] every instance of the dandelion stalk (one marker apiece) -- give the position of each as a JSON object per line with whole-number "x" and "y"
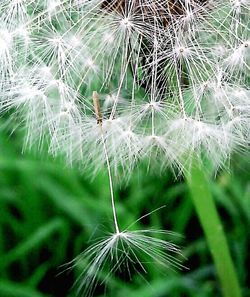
{"x": 213, "y": 229}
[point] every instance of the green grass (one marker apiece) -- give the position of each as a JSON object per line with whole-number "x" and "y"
{"x": 50, "y": 213}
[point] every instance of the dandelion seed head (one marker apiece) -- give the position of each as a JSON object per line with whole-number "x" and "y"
{"x": 190, "y": 58}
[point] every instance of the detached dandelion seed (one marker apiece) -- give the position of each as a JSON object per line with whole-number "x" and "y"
{"x": 129, "y": 249}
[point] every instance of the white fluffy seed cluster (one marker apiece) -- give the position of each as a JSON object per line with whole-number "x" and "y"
{"x": 173, "y": 77}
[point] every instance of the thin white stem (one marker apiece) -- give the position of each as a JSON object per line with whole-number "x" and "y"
{"x": 99, "y": 119}
{"x": 110, "y": 183}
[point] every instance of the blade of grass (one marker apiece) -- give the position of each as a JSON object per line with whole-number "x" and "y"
{"x": 33, "y": 241}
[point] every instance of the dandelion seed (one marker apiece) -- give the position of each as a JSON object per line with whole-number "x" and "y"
{"x": 129, "y": 249}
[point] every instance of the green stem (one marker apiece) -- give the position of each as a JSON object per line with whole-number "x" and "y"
{"x": 211, "y": 224}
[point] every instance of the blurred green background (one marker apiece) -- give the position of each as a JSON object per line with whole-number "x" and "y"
{"x": 50, "y": 213}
